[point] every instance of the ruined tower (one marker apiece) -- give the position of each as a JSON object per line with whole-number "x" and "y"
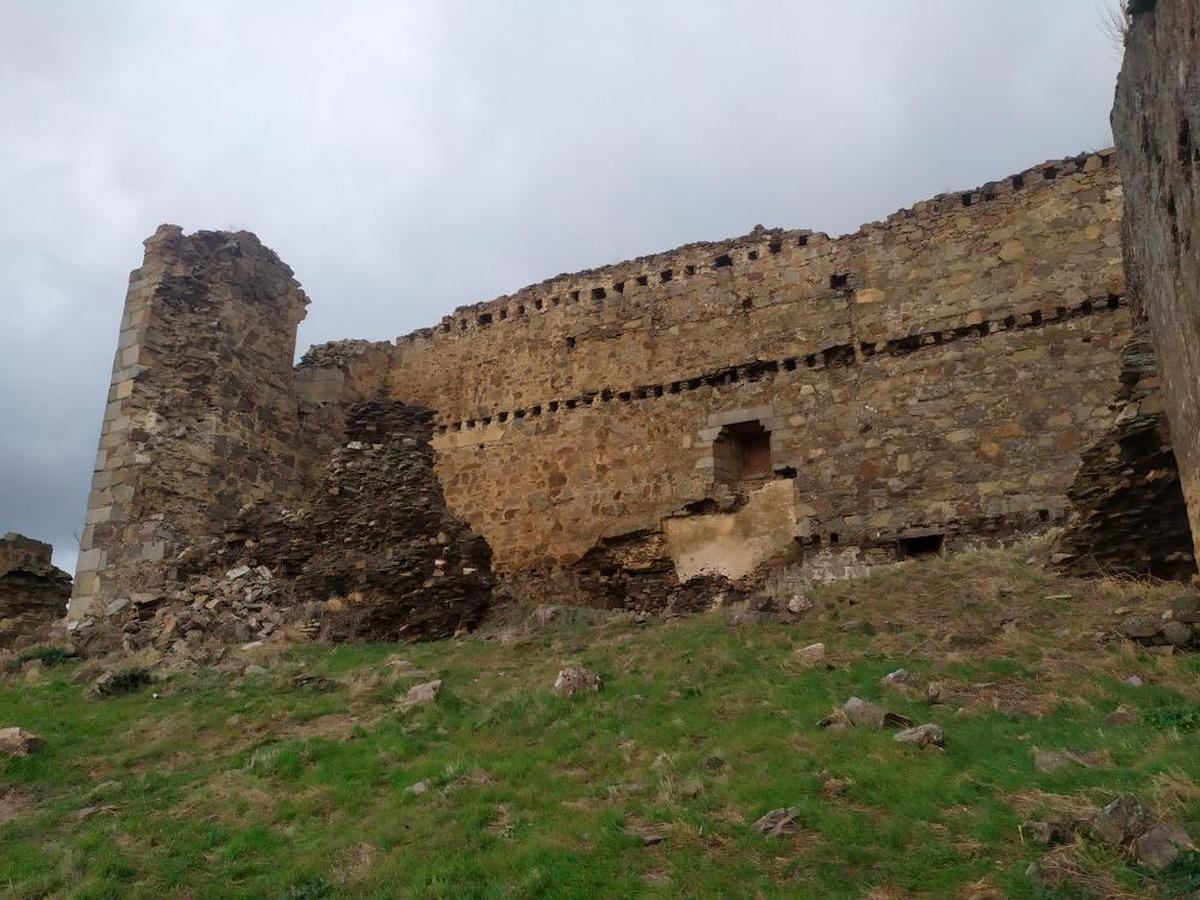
{"x": 201, "y": 416}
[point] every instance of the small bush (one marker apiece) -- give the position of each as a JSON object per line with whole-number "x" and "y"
{"x": 50, "y": 657}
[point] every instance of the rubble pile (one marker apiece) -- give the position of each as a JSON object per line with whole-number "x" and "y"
{"x": 377, "y": 548}
{"x": 1177, "y": 627}
{"x": 197, "y": 622}
{"x": 1128, "y": 512}
{"x": 33, "y": 592}
{"x": 633, "y": 572}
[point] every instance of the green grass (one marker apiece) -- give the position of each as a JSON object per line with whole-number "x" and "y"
{"x": 212, "y": 785}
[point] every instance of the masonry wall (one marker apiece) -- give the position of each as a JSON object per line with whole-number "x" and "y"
{"x": 201, "y": 416}
{"x": 1156, "y": 121}
{"x": 937, "y": 371}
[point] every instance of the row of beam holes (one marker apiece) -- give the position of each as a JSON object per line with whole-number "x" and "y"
{"x": 725, "y": 260}
{"x": 838, "y": 356}
{"x": 1049, "y": 173}
{"x": 599, "y": 294}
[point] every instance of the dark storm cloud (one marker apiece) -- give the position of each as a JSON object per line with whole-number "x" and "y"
{"x": 404, "y": 157}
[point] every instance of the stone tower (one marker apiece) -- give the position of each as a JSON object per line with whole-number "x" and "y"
{"x": 201, "y": 416}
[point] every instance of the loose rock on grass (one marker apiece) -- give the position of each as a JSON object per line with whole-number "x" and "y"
{"x": 18, "y": 742}
{"x": 577, "y": 680}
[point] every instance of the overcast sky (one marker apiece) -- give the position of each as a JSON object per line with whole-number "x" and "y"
{"x": 405, "y": 157}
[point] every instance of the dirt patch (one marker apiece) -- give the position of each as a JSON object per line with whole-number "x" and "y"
{"x": 14, "y": 805}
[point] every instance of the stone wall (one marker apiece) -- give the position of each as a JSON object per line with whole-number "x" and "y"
{"x": 202, "y": 416}
{"x": 931, "y": 376}
{"x": 33, "y": 591}
{"x": 1156, "y": 121}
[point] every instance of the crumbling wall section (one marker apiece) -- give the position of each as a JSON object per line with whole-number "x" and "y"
{"x": 1128, "y": 512}
{"x": 1156, "y": 121}
{"x": 201, "y": 416}
{"x": 33, "y": 591}
{"x": 375, "y": 548}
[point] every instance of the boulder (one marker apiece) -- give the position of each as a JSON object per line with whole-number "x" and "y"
{"x": 868, "y": 715}
{"x": 18, "y": 742}
{"x": 1140, "y": 628}
{"x": 778, "y": 822}
{"x": 577, "y": 680}
{"x": 811, "y": 655}
{"x": 420, "y": 695}
{"x": 928, "y": 735}
{"x": 1178, "y": 634}
{"x": 1159, "y": 847}
{"x": 1121, "y": 821}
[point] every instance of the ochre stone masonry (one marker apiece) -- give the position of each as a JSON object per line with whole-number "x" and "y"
{"x": 648, "y": 432}
{"x": 201, "y": 417}
{"x": 1156, "y": 121}
{"x": 33, "y": 591}
{"x": 939, "y": 372}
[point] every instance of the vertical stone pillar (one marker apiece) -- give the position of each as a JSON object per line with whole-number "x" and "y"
{"x": 201, "y": 415}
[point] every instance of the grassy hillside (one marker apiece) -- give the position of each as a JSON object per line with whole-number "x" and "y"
{"x": 218, "y": 784}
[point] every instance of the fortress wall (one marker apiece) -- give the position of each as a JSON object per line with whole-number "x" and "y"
{"x": 1039, "y": 240}
{"x": 940, "y": 370}
{"x": 976, "y": 436}
{"x": 201, "y": 416}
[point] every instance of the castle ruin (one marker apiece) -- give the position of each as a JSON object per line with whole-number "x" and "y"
{"x": 935, "y": 379}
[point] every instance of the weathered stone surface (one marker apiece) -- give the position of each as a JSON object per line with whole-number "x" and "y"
{"x": 922, "y": 736}
{"x": 647, "y": 436}
{"x": 811, "y": 655}
{"x": 18, "y": 742}
{"x": 1122, "y": 820}
{"x": 201, "y": 418}
{"x": 33, "y": 592}
{"x": 980, "y": 332}
{"x": 778, "y": 822}
{"x": 1159, "y": 847}
{"x": 577, "y": 680}
{"x": 376, "y": 539}
{"x": 420, "y": 695}
{"x": 1128, "y": 512}
{"x": 1156, "y": 121}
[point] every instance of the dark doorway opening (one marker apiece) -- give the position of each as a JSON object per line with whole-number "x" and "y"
{"x": 742, "y": 453}
{"x": 921, "y": 545}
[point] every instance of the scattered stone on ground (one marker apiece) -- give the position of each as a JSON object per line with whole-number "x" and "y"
{"x": 811, "y": 655}
{"x": 859, "y": 713}
{"x": 1044, "y": 833}
{"x": 928, "y": 735}
{"x": 420, "y": 695}
{"x": 1178, "y": 627}
{"x": 1122, "y": 820}
{"x": 421, "y": 787}
{"x": 1049, "y": 761}
{"x": 1161, "y": 846}
{"x": 577, "y": 680}
{"x": 778, "y": 822}
{"x": 18, "y": 742}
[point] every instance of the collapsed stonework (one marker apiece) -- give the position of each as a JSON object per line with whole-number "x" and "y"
{"x": 1156, "y": 121}
{"x": 653, "y": 434}
{"x": 1128, "y": 511}
{"x": 33, "y": 591}
{"x": 234, "y": 496}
